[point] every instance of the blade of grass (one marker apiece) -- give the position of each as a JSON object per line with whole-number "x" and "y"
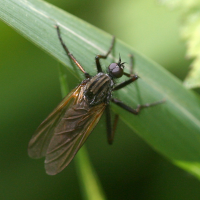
{"x": 63, "y": 81}
{"x": 173, "y": 128}
{"x": 90, "y": 185}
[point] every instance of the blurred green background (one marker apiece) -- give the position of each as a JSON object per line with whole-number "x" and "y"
{"x": 29, "y": 86}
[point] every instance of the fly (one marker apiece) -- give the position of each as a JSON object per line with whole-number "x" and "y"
{"x": 64, "y": 131}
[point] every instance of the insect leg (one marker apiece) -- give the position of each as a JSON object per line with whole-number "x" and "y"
{"x": 125, "y": 83}
{"x": 98, "y": 57}
{"x": 110, "y": 129}
{"x": 139, "y": 107}
{"x": 132, "y": 76}
{"x": 69, "y": 54}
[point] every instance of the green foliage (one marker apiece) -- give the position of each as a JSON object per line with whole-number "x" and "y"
{"x": 172, "y": 129}
{"x": 190, "y": 31}
{"x": 183, "y": 4}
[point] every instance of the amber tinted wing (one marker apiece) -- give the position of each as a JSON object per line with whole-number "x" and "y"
{"x": 40, "y": 140}
{"x": 70, "y": 134}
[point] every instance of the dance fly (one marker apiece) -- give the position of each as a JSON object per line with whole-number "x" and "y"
{"x": 64, "y": 131}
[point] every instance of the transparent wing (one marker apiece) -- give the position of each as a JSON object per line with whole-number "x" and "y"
{"x": 70, "y": 134}
{"x": 40, "y": 140}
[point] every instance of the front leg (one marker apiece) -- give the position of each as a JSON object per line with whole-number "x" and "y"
{"x": 98, "y": 57}
{"x": 125, "y": 83}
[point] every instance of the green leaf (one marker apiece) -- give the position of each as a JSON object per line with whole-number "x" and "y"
{"x": 190, "y": 32}
{"x": 172, "y": 128}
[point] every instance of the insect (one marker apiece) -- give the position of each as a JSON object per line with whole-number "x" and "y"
{"x": 64, "y": 131}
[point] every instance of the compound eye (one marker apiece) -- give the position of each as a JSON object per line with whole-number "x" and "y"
{"x": 115, "y": 70}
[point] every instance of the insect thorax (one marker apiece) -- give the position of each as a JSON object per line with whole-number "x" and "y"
{"x": 98, "y": 89}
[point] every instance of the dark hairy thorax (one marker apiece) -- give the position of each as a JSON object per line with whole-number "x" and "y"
{"x": 98, "y": 89}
